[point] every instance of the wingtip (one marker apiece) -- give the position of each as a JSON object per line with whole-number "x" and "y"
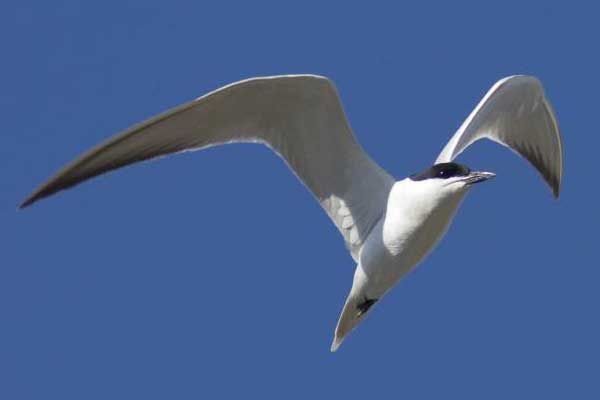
{"x": 555, "y": 187}
{"x": 29, "y": 200}
{"x": 26, "y": 203}
{"x": 40, "y": 193}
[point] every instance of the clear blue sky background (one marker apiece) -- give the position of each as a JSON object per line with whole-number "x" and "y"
{"x": 215, "y": 274}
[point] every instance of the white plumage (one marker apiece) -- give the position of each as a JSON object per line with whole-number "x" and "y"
{"x": 388, "y": 226}
{"x": 516, "y": 114}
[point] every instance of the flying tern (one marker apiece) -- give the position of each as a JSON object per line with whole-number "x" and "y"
{"x": 388, "y": 226}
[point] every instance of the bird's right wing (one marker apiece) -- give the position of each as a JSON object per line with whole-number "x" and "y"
{"x": 516, "y": 114}
{"x": 299, "y": 117}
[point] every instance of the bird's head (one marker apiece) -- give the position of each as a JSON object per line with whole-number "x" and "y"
{"x": 449, "y": 178}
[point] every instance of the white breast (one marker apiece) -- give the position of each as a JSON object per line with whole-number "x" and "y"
{"x": 417, "y": 217}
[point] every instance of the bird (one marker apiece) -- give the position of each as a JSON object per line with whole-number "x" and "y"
{"x": 388, "y": 226}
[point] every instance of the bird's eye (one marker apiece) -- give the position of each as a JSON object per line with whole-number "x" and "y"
{"x": 441, "y": 171}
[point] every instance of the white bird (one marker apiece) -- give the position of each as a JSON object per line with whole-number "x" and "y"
{"x": 388, "y": 226}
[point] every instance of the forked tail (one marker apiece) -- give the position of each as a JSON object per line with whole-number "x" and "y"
{"x": 353, "y": 313}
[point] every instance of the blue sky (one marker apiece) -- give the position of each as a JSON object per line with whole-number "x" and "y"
{"x": 216, "y": 274}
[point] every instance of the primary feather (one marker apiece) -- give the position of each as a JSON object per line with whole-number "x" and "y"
{"x": 516, "y": 114}
{"x": 300, "y": 117}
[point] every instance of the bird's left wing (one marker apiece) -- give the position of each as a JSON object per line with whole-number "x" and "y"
{"x": 299, "y": 117}
{"x": 516, "y": 114}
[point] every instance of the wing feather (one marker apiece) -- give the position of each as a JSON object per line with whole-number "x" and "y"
{"x": 516, "y": 114}
{"x": 299, "y": 117}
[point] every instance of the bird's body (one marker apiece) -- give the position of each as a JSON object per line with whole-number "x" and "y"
{"x": 413, "y": 224}
{"x": 388, "y": 226}
{"x": 417, "y": 216}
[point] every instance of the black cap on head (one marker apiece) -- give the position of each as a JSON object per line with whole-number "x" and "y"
{"x": 442, "y": 171}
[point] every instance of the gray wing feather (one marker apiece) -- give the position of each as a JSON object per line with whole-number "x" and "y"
{"x": 516, "y": 114}
{"x": 300, "y": 117}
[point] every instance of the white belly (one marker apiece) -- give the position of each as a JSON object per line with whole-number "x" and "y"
{"x": 407, "y": 233}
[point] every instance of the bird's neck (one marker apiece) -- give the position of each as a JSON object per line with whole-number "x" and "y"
{"x": 418, "y": 216}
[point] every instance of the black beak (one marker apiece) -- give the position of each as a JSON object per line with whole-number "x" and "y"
{"x": 476, "y": 177}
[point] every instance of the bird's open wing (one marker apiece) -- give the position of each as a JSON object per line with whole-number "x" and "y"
{"x": 516, "y": 114}
{"x": 299, "y": 117}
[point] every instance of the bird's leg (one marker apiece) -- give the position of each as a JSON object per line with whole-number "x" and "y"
{"x": 364, "y": 306}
